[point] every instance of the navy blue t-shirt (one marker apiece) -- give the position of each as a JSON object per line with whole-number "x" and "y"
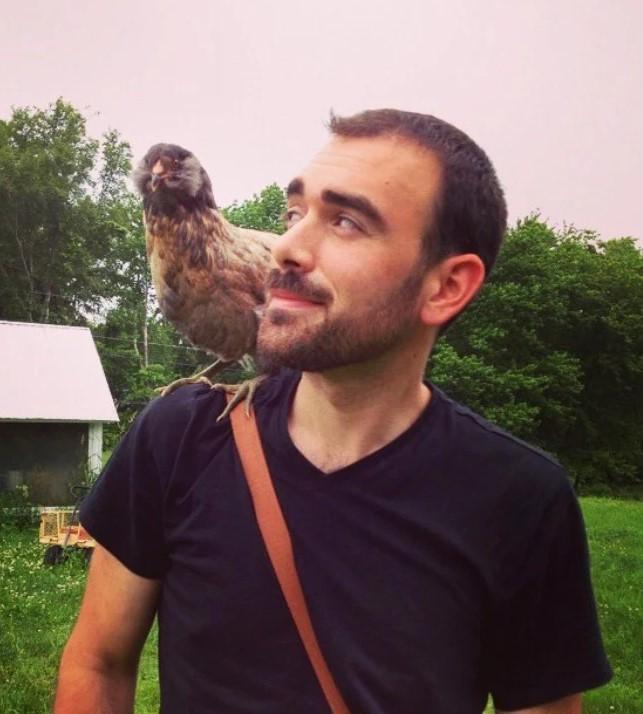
{"x": 449, "y": 564}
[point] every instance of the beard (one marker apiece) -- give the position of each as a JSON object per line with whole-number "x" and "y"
{"x": 369, "y": 331}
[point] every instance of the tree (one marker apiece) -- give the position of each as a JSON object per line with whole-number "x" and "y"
{"x": 72, "y": 238}
{"x": 552, "y": 349}
{"x": 55, "y": 230}
{"x": 263, "y": 212}
{"x": 46, "y": 226}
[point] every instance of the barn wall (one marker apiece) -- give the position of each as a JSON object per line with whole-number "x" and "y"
{"x": 45, "y": 456}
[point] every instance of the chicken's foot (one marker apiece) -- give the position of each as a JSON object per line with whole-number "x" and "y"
{"x": 243, "y": 391}
{"x": 202, "y": 377}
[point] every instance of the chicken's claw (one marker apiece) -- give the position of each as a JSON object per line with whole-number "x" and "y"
{"x": 242, "y": 391}
{"x": 202, "y": 377}
{"x": 169, "y": 388}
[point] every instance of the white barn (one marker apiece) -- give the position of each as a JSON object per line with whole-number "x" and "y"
{"x": 54, "y": 400}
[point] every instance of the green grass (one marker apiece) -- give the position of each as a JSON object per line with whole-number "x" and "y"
{"x": 38, "y": 606}
{"x": 615, "y": 530}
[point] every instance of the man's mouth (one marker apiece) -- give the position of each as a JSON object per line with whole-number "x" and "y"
{"x": 284, "y": 299}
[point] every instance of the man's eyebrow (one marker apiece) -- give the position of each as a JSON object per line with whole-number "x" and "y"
{"x": 295, "y": 187}
{"x": 347, "y": 200}
{"x": 357, "y": 203}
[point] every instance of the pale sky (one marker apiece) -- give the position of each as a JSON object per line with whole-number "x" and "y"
{"x": 551, "y": 89}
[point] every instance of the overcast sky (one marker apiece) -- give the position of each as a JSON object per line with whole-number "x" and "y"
{"x": 551, "y": 89}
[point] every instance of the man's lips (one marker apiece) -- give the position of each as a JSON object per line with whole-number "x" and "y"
{"x": 285, "y": 299}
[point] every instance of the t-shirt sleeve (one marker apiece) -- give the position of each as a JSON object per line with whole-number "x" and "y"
{"x": 124, "y": 510}
{"x": 545, "y": 641}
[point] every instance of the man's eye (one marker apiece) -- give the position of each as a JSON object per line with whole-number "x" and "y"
{"x": 347, "y": 223}
{"x": 291, "y": 217}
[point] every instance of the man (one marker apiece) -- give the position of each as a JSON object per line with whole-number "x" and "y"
{"x": 441, "y": 558}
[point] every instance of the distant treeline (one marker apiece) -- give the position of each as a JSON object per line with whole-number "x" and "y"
{"x": 551, "y": 350}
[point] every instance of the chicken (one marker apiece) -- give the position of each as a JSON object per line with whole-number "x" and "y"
{"x": 209, "y": 275}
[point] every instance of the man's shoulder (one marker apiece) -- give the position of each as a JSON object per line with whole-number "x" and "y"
{"x": 488, "y": 434}
{"x": 197, "y": 404}
{"x": 494, "y": 454}
{"x": 181, "y": 406}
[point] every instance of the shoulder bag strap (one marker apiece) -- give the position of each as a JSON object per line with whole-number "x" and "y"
{"x": 279, "y": 546}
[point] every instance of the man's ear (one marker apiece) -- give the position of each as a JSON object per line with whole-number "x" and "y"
{"x": 449, "y": 287}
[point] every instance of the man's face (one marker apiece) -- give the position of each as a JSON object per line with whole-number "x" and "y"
{"x": 350, "y": 270}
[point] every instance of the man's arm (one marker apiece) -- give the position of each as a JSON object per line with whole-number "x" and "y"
{"x": 100, "y": 661}
{"x": 568, "y": 705}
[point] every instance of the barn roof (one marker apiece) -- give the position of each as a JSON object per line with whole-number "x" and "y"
{"x": 51, "y": 373}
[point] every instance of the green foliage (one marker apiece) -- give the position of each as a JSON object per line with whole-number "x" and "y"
{"x": 16, "y": 509}
{"x": 263, "y": 212}
{"x": 38, "y": 607}
{"x": 116, "y": 164}
{"x": 73, "y": 247}
{"x": 552, "y": 350}
{"x": 54, "y": 238}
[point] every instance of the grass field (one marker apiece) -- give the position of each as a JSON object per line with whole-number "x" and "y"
{"x": 38, "y": 606}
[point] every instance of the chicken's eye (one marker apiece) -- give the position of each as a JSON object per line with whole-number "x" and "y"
{"x": 176, "y": 163}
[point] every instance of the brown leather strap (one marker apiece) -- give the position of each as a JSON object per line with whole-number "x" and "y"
{"x": 279, "y": 546}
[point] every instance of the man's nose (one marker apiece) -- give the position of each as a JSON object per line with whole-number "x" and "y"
{"x": 296, "y": 248}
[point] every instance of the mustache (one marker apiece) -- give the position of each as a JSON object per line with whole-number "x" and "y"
{"x": 293, "y": 282}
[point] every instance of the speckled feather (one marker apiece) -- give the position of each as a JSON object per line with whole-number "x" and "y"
{"x": 209, "y": 279}
{"x": 209, "y": 275}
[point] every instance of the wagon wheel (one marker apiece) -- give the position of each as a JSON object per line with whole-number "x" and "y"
{"x": 54, "y": 555}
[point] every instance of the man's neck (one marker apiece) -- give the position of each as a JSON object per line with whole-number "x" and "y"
{"x": 339, "y": 417}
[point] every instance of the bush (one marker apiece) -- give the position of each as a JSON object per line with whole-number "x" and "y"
{"x": 16, "y": 509}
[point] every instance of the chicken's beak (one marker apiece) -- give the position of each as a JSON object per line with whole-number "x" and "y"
{"x": 157, "y": 173}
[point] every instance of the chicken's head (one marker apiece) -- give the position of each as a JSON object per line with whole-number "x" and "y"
{"x": 169, "y": 177}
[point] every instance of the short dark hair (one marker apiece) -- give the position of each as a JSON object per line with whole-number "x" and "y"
{"x": 470, "y": 214}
